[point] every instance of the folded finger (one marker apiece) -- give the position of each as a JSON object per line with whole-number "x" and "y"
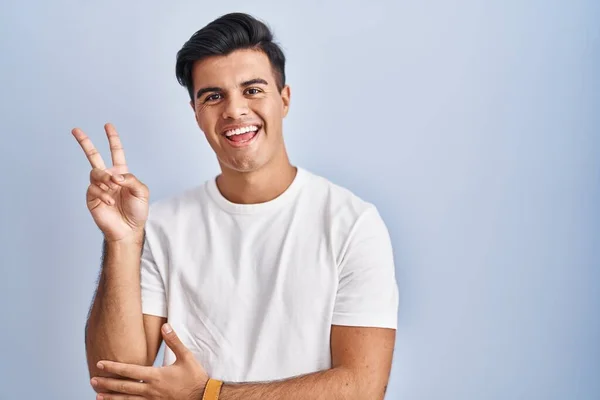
{"x": 95, "y": 193}
{"x": 100, "y": 177}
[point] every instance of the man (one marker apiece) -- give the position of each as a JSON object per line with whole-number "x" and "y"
{"x": 275, "y": 283}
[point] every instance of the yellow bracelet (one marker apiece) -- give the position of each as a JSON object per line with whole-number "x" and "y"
{"x": 212, "y": 390}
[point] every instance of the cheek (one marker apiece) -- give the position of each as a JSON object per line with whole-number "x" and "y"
{"x": 267, "y": 109}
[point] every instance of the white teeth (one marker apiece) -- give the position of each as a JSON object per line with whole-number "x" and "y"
{"x": 240, "y": 131}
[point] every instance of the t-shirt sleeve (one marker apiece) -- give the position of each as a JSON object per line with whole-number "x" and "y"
{"x": 154, "y": 300}
{"x": 367, "y": 292}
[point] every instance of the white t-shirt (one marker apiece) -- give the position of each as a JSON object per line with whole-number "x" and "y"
{"x": 253, "y": 289}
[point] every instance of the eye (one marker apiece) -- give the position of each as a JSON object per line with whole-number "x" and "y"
{"x": 253, "y": 91}
{"x": 212, "y": 97}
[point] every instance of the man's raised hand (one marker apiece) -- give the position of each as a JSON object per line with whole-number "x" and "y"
{"x": 117, "y": 200}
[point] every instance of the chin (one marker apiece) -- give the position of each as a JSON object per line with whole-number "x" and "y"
{"x": 243, "y": 166}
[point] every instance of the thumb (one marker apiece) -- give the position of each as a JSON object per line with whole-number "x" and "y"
{"x": 129, "y": 181}
{"x": 172, "y": 340}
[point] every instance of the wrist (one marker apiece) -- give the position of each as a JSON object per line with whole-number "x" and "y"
{"x": 135, "y": 239}
{"x": 128, "y": 250}
{"x": 212, "y": 389}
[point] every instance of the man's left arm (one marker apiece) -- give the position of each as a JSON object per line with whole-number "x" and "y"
{"x": 361, "y": 363}
{"x": 364, "y": 325}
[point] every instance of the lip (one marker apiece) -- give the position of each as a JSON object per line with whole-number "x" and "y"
{"x": 238, "y": 126}
{"x": 243, "y": 144}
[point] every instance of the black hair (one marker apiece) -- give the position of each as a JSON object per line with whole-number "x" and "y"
{"x": 224, "y": 35}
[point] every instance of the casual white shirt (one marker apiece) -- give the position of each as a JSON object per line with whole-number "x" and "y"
{"x": 253, "y": 289}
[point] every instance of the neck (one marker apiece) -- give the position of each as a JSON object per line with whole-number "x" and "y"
{"x": 260, "y": 186}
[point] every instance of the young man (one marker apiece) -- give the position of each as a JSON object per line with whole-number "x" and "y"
{"x": 278, "y": 283}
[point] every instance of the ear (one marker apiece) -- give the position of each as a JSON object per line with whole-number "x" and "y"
{"x": 285, "y": 98}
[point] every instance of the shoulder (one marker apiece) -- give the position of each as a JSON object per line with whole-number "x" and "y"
{"x": 337, "y": 200}
{"x": 173, "y": 208}
{"x": 346, "y": 217}
{"x": 352, "y": 224}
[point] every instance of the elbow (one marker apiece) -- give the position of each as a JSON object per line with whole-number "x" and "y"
{"x": 92, "y": 362}
{"x": 135, "y": 356}
{"x": 95, "y": 351}
{"x": 368, "y": 386}
{"x": 370, "y": 391}
{"x": 94, "y": 371}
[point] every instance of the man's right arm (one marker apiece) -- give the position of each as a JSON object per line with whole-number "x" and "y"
{"x": 119, "y": 204}
{"x": 116, "y": 328}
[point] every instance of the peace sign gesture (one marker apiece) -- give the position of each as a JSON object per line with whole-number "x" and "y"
{"x": 117, "y": 200}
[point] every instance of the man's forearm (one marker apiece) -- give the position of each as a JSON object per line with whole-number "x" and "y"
{"x": 115, "y": 328}
{"x": 332, "y": 384}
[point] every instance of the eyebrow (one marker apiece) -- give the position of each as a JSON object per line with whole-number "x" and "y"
{"x": 255, "y": 81}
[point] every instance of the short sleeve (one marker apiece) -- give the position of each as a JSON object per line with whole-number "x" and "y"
{"x": 367, "y": 292}
{"x": 154, "y": 300}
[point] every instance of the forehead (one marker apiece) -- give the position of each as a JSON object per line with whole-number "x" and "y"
{"x": 232, "y": 69}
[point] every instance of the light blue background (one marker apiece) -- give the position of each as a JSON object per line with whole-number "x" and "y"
{"x": 474, "y": 127}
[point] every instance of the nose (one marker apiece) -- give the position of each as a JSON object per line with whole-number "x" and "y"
{"x": 236, "y": 106}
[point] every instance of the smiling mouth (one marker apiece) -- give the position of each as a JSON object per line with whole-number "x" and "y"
{"x": 242, "y": 135}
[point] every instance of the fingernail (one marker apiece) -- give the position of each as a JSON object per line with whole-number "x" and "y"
{"x": 167, "y": 328}
{"x": 94, "y": 382}
{"x": 99, "y": 397}
{"x": 100, "y": 365}
{"x": 120, "y": 177}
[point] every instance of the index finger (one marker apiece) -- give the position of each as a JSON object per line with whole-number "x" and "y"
{"x": 131, "y": 371}
{"x": 90, "y": 151}
{"x": 116, "y": 148}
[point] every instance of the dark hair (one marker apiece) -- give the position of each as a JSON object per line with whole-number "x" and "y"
{"x": 235, "y": 31}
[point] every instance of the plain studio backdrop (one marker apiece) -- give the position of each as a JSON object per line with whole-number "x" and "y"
{"x": 474, "y": 126}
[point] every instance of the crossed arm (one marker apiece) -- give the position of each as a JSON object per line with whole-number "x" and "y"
{"x": 361, "y": 363}
{"x": 118, "y": 331}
